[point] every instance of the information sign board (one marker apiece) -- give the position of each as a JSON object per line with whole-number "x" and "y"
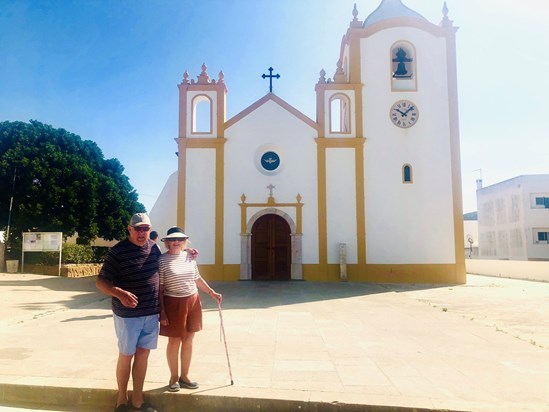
{"x": 42, "y": 242}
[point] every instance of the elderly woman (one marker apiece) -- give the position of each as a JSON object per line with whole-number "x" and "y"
{"x": 180, "y": 306}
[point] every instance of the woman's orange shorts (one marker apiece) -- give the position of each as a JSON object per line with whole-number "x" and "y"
{"x": 184, "y": 315}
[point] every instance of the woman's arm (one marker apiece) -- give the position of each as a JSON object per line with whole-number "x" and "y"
{"x": 204, "y": 287}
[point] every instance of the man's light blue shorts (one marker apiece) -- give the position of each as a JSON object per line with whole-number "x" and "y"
{"x": 133, "y": 333}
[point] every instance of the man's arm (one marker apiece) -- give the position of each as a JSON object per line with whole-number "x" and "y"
{"x": 127, "y": 299}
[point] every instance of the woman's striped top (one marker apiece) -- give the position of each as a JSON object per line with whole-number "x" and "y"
{"x": 178, "y": 274}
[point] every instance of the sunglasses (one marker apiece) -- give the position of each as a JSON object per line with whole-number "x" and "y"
{"x": 178, "y": 239}
{"x": 141, "y": 228}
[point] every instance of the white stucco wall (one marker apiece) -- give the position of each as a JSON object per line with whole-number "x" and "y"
{"x": 407, "y": 223}
{"x": 163, "y": 214}
{"x": 270, "y": 126}
{"x": 341, "y": 203}
{"x": 200, "y": 202}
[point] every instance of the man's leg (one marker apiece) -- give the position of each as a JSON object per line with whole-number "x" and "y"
{"x": 123, "y": 367}
{"x": 139, "y": 371}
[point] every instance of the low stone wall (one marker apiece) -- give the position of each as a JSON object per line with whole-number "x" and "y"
{"x": 515, "y": 269}
{"x": 68, "y": 270}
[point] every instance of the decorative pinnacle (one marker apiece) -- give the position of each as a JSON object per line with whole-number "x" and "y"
{"x": 355, "y": 23}
{"x": 446, "y": 22}
{"x": 322, "y": 78}
{"x": 203, "y": 78}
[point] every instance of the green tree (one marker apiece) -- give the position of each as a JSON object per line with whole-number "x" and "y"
{"x": 62, "y": 184}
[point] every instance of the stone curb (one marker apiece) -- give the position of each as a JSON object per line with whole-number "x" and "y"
{"x": 102, "y": 400}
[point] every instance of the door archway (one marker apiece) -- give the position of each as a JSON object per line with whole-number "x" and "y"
{"x": 271, "y": 248}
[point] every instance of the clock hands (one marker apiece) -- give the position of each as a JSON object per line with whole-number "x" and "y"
{"x": 406, "y": 112}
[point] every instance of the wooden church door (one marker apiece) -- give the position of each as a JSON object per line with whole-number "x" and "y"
{"x": 271, "y": 249}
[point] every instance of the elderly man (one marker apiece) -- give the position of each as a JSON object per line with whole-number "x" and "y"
{"x": 130, "y": 275}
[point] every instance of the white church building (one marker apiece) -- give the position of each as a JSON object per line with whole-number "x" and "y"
{"x": 370, "y": 189}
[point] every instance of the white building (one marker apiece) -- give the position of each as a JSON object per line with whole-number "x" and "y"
{"x": 271, "y": 194}
{"x": 513, "y": 219}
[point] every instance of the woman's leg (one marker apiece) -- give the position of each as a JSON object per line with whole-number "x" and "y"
{"x": 186, "y": 355}
{"x": 172, "y": 355}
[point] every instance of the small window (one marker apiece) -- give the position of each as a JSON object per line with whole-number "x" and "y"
{"x": 541, "y": 202}
{"x": 541, "y": 235}
{"x": 406, "y": 174}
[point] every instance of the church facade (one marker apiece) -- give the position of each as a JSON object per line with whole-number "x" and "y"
{"x": 369, "y": 191}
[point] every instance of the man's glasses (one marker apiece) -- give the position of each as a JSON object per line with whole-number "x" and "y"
{"x": 141, "y": 228}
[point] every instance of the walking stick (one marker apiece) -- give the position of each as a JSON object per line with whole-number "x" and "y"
{"x": 225, "y": 341}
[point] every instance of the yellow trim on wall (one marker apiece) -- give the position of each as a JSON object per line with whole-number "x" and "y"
{"x": 277, "y": 100}
{"x": 360, "y": 203}
{"x": 448, "y": 274}
{"x": 323, "y": 144}
{"x": 181, "y": 179}
{"x": 271, "y": 203}
{"x": 455, "y": 151}
{"x": 220, "y": 273}
{"x": 441, "y": 274}
{"x": 322, "y": 207}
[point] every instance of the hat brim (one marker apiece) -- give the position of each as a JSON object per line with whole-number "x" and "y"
{"x": 175, "y": 236}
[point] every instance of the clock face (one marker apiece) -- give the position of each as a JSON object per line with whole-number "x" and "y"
{"x": 404, "y": 113}
{"x": 270, "y": 161}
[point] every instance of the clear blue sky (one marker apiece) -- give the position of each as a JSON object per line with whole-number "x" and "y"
{"x": 108, "y": 71}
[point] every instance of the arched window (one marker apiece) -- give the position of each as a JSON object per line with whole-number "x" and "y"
{"x": 202, "y": 114}
{"x": 340, "y": 117}
{"x": 407, "y": 174}
{"x": 403, "y": 66}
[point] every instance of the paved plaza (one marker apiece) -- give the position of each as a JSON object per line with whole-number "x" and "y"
{"x": 293, "y": 346}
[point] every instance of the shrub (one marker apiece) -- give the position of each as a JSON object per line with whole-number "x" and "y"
{"x": 77, "y": 254}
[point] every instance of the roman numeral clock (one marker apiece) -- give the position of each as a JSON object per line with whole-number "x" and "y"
{"x": 404, "y": 113}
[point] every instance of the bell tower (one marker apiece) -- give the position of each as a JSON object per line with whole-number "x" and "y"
{"x": 200, "y": 142}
